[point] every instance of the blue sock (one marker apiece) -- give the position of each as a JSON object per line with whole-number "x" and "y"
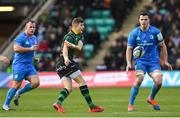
{"x": 26, "y": 88}
{"x": 154, "y": 91}
{"x": 133, "y": 94}
{"x": 10, "y": 95}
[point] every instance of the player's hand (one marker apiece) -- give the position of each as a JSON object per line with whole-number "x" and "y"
{"x": 5, "y": 60}
{"x": 168, "y": 65}
{"x": 129, "y": 66}
{"x": 67, "y": 61}
{"x": 34, "y": 47}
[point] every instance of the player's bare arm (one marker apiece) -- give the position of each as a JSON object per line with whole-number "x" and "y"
{"x": 164, "y": 55}
{"x": 128, "y": 58}
{"x": 77, "y": 47}
{"x": 65, "y": 53}
{"x": 18, "y": 48}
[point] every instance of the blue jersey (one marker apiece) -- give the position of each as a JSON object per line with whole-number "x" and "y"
{"x": 149, "y": 39}
{"x": 24, "y": 41}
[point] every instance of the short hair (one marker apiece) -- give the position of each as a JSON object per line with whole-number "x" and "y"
{"x": 77, "y": 20}
{"x": 31, "y": 21}
{"x": 144, "y": 13}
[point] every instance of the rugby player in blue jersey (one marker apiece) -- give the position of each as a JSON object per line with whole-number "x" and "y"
{"x": 24, "y": 47}
{"x": 151, "y": 39}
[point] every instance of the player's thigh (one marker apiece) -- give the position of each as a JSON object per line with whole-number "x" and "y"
{"x": 16, "y": 84}
{"x": 33, "y": 77}
{"x": 80, "y": 80}
{"x": 155, "y": 73}
{"x": 67, "y": 83}
{"x": 140, "y": 70}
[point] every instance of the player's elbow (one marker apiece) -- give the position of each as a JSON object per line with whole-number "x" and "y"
{"x": 78, "y": 48}
{"x": 16, "y": 48}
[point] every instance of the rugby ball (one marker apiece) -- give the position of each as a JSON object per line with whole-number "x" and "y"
{"x": 138, "y": 52}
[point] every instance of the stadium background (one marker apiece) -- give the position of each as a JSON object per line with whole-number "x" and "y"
{"x": 102, "y": 60}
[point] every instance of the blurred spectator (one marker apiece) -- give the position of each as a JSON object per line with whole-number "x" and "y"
{"x": 94, "y": 38}
{"x": 120, "y": 8}
{"x": 108, "y": 61}
{"x": 55, "y": 23}
{"x": 177, "y": 65}
{"x": 176, "y": 38}
{"x": 115, "y": 57}
{"x": 165, "y": 15}
{"x": 43, "y": 46}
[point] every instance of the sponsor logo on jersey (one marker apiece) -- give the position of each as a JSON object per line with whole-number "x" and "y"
{"x": 27, "y": 43}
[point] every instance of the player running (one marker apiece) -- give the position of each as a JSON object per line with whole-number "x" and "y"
{"x": 68, "y": 70}
{"x": 152, "y": 40}
{"x": 23, "y": 68}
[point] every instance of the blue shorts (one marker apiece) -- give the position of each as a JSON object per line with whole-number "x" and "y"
{"x": 147, "y": 67}
{"x": 21, "y": 72}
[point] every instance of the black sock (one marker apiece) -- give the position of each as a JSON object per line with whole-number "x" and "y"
{"x": 85, "y": 92}
{"x": 63, "y": 94}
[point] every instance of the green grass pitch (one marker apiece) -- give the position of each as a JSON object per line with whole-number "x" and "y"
{"x": 38, "y": 103}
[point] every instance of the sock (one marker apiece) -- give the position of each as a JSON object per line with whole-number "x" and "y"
{"x": 62, "y": 96}
{"x": 26, "y": 88}
{"x": 154, "y": 91}
{"x": 133, "y": 94}
{"x": 9, "y": 96}
{"x": 85, "y": 92}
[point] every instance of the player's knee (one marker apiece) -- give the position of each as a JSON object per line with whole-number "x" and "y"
{"x": 35, "y": 84}
{"x": 16, "y": 85}
{"x": 139, "y": 79}
{"x": 82, "y": 83}
{"x": 158, "y": 78}
{"x": 69, "y": 89}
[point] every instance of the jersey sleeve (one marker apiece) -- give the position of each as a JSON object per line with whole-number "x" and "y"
{"x": 68, "y": 39}
{"x": 131, "y": 39}
{"x": 18, "y": 41}
{"x": 160, "y": 37}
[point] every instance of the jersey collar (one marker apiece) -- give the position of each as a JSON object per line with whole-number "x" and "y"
{"x": 24, "y": 33}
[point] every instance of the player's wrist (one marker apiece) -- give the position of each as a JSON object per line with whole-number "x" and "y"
{"x": 73, "y": 46}
{"x": 66, "y": 57}
{"x": 128, "y": 62}
{"x": 31, "y": 48}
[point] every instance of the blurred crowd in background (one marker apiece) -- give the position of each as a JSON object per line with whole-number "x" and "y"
{"x": 165, "y": 15}
{"x": 55, "y": 23}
